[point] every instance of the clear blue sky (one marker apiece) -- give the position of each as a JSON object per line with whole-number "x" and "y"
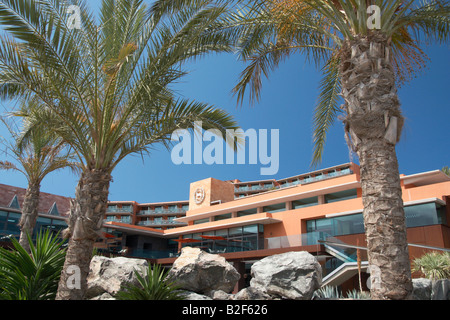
{"x": 287, "y": 103}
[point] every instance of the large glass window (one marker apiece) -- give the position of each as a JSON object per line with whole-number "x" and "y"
{"x": 222, "y": 217}
{"x": 12, "y": 223}
{"x": 43, "y": 223}
{"x": 416, "y": 216}
{"x": 341, "y": 195}
{"x": 3, "y": 216}
{"x": 275, "y": 208}
{"x": 301, "y": 203}
{"x": 246, "y": 212}
{"x": 201, "y": 221}
{"x": 236, "y": 239}
{"x": 424, "y": 214}
{"x": 350, "y": 224}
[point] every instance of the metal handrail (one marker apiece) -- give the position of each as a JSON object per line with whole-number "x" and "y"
{"x": 364, "y": 248}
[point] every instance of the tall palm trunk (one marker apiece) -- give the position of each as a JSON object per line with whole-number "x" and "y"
{"x": 373, "y": 126}
{"x": 84, "y": 226}
{"x": 29, "y": 213}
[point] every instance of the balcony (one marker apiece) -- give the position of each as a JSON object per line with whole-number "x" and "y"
{"x": 255, "y": 187}
{"x": 309, "y": 179}
{"x": 161, "y": 212}
{"x": 161, "y": 223}
{"x": 121, "y": 220}
{"x": 123, "y": 210}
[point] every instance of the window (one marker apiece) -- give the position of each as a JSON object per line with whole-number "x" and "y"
{"x": 301, "y": 203}
{"x": 201, "y": 221}
{"x": 3, "y": 216}
{"x": 350, "y": 224}
{"x": 126, "y": 208}
{"x": 424, "y": 214}
{"x": 222, "y": 217}
{"x": 275, "y": 208}
{"x": 416, "y": 216}
{"x": 236, "y": 239}
{"x": 246, "y": 212}
{"x": 341, "y": 195}
{"x": 43, "y": 223}
{"x": 12, "y": 223}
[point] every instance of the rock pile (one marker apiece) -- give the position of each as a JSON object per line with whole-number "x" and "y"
{"x": 204, "y": 276}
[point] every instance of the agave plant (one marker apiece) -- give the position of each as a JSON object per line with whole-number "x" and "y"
{"x": 331, "y": 292}
{"x": 433, "y": 265}
{"x": 155, "y": 285}
{"x": 34, "y": 275}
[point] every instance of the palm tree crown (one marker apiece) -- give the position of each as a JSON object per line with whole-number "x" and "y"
{"x": 365, "y": 48}
{"x": 106, "y": 89}
{"x": 37, "y": 152}
{"x": 273, "y": 30}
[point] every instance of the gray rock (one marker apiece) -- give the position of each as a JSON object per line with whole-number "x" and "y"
{"x": 421, "y": 289}
{"x": 201, "y": 272}
{"x": 110, "y": 275}
{"x": 251, "y": 293}
{"x": 440, "y": 289}
{"x": 291, "y": 275}
{"x": 219, "y": 295}
{"x": 188, "y": 295}
{"x": 105, "y": 296}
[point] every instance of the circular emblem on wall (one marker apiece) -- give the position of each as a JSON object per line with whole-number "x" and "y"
{"x": 199, "y": 195}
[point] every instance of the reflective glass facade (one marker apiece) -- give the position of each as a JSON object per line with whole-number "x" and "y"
{"x": 235, "y": 239}
{"x": 9, "y": 224}
{"x": 416, "y": 216}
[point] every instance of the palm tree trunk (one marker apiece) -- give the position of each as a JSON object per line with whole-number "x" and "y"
{"x": 29, "y": 214}
{"x": 373, "y": 126}
{"x": 84, "y": 227}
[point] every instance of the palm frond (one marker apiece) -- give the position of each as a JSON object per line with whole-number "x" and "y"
{"x": 326, "y": 109}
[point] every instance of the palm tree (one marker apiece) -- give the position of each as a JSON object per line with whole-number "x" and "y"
{"x": 365, "y": 50}
{"x": 37, "y": 155}
{"x": 106, "y": 90}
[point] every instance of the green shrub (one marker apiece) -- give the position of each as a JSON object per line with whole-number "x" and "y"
{"x": 153, "y": 286}
{"x": 35, "y": 275}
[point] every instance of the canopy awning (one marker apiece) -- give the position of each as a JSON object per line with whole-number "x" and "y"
{"x": 213, "y": 237}
{"x": 186, "y": 240}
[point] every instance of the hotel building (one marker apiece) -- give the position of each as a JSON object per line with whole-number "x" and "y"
{"x": 319, "y": 212}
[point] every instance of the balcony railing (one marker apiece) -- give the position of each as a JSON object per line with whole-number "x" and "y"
{"x": 286, "y": 184}
{"x": 160, "y": 212}
{"x": 121, "y": 220}
{"x": 161, "y": 222}
{"x": 296, "y": 240}
{"x": 253, "y": 188}
{"x": 119, "y": 210}
{"x": 317, "y": 178}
